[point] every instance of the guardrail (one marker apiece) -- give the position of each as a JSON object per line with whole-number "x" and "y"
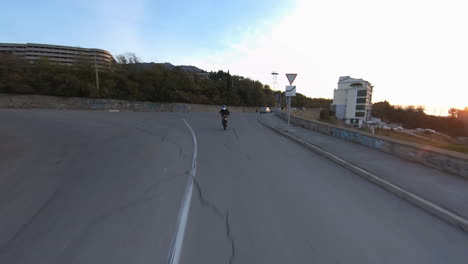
{"x": 444, "y": 160}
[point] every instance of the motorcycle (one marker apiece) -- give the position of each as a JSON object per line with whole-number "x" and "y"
{"x": 225, "y": 121}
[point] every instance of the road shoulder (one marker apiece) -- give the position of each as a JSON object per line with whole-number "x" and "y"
{"x": 439, "y": 193}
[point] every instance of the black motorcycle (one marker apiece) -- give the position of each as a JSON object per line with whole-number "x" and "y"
{"x": 225, "y": 121}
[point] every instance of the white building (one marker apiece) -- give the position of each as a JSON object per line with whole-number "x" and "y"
{"x": 352, "y": 100}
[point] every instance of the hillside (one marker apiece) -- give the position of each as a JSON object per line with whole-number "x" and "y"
{"x": 157, "y": 82}
{"x": 169, "y": 66}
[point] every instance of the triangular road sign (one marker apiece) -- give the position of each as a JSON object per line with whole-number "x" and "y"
{"x": 291, "y": 77}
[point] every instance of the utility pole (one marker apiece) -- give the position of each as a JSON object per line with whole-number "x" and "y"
{"x": 97, "y": 75}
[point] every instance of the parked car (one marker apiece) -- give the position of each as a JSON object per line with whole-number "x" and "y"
{"x": 264, "y": 110}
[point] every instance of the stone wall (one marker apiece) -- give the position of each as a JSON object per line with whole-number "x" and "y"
{"x": 77, "y": 103}
{"x": 445, "y": 160}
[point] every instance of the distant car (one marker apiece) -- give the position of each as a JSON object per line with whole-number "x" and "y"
{"x": 264, "y": 110}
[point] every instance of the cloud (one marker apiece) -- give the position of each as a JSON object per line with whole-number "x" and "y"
{"x": 413, "y": 52}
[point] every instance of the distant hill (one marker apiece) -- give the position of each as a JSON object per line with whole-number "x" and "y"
{"x": 183, "y": 68}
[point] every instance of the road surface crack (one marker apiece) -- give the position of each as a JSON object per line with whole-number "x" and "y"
{"x": 230, "y": 239}
{"x": 9, "y": 242}
{"x": 235, "y": 134}
{"x": 167, "y": 140}
{"x": 205, "y": 202}
{"x": 154, "y": 187}
{"x": 220, "y": 214}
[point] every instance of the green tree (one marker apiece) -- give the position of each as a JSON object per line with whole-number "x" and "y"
{"x": 13, "y": 74}
{"x": 129, "y": 79}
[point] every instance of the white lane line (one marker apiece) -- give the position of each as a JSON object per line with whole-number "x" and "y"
{"x": 178, "y": 239}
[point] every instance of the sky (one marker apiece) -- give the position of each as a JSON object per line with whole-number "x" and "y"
{"x": 414, "y": 52}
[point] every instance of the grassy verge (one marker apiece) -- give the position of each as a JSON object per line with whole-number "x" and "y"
{"x": 332, "y": 121}
{"x": 417, "y": 140}
{"x": 392, "y": 134}
{"x": 315, "y": 116}
{"x": 457, "y": 148}
{"x": 307, "y": 115}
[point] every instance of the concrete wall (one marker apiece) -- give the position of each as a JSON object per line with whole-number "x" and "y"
{"x": 76, "y": 103}
{"x": 340, "y": 111}
{"x": 339, "y": 97}
{"x": 448, "y": 161}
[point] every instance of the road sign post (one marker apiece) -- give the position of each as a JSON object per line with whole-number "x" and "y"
{"x": 289, "y": 111}
{"x": 290, "y": 91}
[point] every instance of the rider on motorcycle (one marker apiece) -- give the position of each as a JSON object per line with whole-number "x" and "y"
{"x": 224, "y": 111}
{"x": 224, "y": 115}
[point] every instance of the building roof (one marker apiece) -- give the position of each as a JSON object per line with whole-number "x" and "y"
{"x": 51, "y": 46}
{"x": 347, "y": 79}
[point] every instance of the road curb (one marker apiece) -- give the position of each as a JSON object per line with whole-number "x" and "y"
{"x": 414, "y": 199}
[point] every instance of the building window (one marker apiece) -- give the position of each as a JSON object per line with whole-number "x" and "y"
{"x": 360, "y": 107}
{"x": 361, "y": 100}
{"x": 362, "y": 93}
{"x": 360, "y": 114}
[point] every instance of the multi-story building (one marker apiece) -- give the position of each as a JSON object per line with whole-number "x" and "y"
{"x": 61, "y": 54}
{"x": 352, "y": 100}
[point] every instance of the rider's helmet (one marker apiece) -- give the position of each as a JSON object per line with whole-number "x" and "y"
{"x": 223, "y": 107}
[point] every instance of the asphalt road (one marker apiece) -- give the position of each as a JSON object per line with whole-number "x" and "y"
{"x": 90, "y": 187}
{"x": 99, "y": 187}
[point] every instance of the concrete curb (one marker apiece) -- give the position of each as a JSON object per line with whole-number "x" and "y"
{"x": 420, "y": 202}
